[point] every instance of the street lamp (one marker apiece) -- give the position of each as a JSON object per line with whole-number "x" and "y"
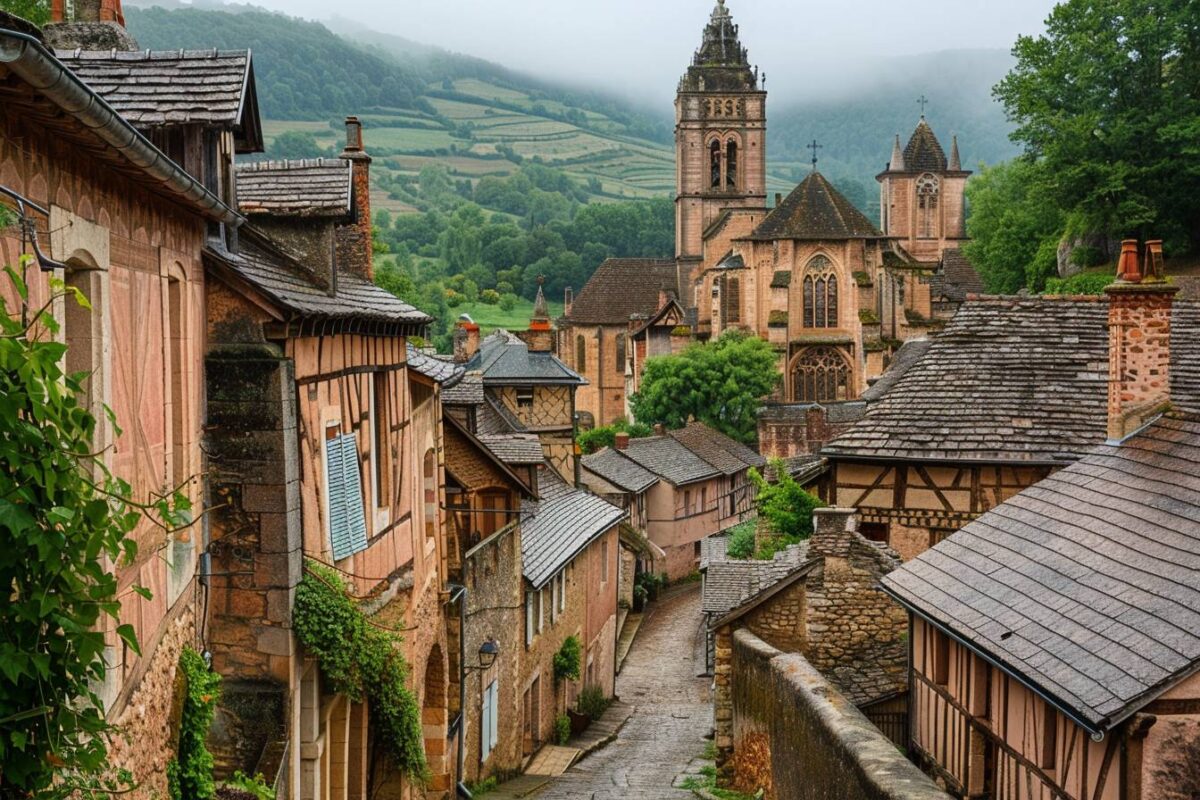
{"x": 488, "y": 651}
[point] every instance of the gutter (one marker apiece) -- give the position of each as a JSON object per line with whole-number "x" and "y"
{"x": 27, "y": 58}
{"x": 1096, "y": 733}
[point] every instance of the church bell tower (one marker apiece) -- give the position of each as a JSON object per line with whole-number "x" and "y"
{"x": 720, "y": 137}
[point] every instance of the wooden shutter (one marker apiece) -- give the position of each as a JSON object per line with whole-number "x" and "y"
{"x": 347, "y": 517}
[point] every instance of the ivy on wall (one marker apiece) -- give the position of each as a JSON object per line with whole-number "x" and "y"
{"x": 363, "y": 662}
{"x": 190, "y": 774}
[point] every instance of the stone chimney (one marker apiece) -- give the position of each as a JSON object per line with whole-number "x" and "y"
{"x": 354, "y": 252}
{"x": 92, "y": 25}
{"x": 622, "y": 441}
{"x": 540, "y": 338}
{"x": 1139, "y": 340}
{"x": 466, "y": 340}
{"x": 833, "y": 531}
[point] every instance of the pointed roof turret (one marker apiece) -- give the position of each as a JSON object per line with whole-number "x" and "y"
{"x": 816, "y": 210}
{"x": 897, "y": 162}
{"x": 541, "y": 312}
{"x": 955, "y": 161}
{"x": 721, "y": 63}
{"x": 924, "y": 152}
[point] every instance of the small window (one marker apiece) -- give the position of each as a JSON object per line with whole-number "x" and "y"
{"x": 525, "y": 397}
{"x": 431, "y": 504}
{"x": 562, "y": 592}
{"x": 343, "y": 486}
{"x": 529, "y": 622}
{"x": 715, "y": 164}
{"x": 941, "y": 658}
{"x": 541, "y": 610}
{"x": 381, "y": 452}
{"x": 731, "y": 165}
{"x": 489, "y": 726}
{"x": 620, "y": 353}
{"x": 554, "y": 600}
{"x": 1049, "y": 738}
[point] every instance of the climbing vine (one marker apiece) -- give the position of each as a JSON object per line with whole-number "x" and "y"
{"x": 567, "y": 660}
{"x": 190, "y": 774}
{"x": 363, "y": 662}
{"x": 65, "y": 523}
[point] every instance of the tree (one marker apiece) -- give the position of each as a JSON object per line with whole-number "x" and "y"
{"x": 296, "y": 144}
{"x": 36, "y": 11}
{"x": 719, "y": 383}
{"x": 1106, "y": 101}
{"x": 1015, "y": 226}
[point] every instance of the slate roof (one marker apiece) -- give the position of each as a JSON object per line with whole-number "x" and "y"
{"x": 816, "y": 210}
{"x": 924, "y": 152}
{"x": 155, "y": 89}
{"x": 621, "y": 288}
{"x": 505, "y": 360}
{"x": 515, "y": 448}
{"x": 957, "y": 278}
{"x": 1086, "y": 584}
{"x": 1011, "y": 379}
{"x": 285, "y": 282}
{"x": 317, "y": 187}
{"x": 447, "y": 373}
{"x": 557, "y": 527}
{"x": 622, "y": 472}
{"x": 909, "y": 354}
{"x": 725, "y": 454}
{"x": 730, "y": 583}
{"x": 467, "y": 392}
{"x": 495, "y": 418}
{"x": 667, "y": 458}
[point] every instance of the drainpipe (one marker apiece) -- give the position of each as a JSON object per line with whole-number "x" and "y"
{"x": 459, "y": 594}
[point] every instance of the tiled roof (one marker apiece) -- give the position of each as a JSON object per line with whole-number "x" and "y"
{"x": 495, "y": 418}
{"x": 909, "y": 354}
{"x": 557, "y": 528}
{"x": 284, "y": 281}
{"x": 153, "y": 89}
{"x": 1085, "y": 584}
{"x": 816, "y": 210}
{"x": 467, "y": 392}
{"x": 957, "y": 278}
{"x": 444, "y": 372}
{"x": 727, "y": 455}
{"x": 620, "y": 471}
{"x": 670, "y": 460}
{"x": 505, "y": 360}
{"x": 621, "y": 288}
{"x": 729, "y": 582}
{"x": 924, "y": 152}
{"x": 1010, "y": 379}
{"x": 318, "y": 187}
{"x": 515, "y": 448}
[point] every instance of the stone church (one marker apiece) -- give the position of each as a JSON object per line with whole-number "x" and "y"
{"x": 835, "y": 293}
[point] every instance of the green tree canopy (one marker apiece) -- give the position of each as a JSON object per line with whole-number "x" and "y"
{"x": 719, "y": 383}
{"x": 1108, "y": 102}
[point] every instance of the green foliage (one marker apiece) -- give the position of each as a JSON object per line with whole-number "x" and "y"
{"x": 562, "y": 729}
{"x": 251, "y": 788}
{"x": 1081, "y": 283}
{"x": 1105, "y": 101}
{"x": 480, "y": 788}
{"x": 593, "y": 702}
{"x": 489, "y": 297}
{"x": 66, "y": 520}
{"x": 741, "y": 540}
{"x": 597, "y": 439}
{"x": 1015, "y": 226}
{"x": 785, "y": 505}
{"x": 508, "y": 301}
{"x": 719, "y": 383}
{"x": 36, "y": 11}
{"x": 361, "y": 661}
{"x": 568, "y": 659}
{"x": 191, "y": 772}
{"x": 296, "y": 144}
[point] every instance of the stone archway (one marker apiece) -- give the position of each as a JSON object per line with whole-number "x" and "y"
{"x": 434, "y": 720}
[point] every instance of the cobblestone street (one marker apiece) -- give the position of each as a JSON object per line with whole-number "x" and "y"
{"x": 672, "y": 717}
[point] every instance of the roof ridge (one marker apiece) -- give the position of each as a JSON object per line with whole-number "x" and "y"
{"x": 149, "y": 54}
{"x": 290, "y": 163}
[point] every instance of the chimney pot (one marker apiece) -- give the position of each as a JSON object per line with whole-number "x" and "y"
{"x": 1128, "y": 269}
{"x": 622, "y": 441}
{"x": 354, "y": 140}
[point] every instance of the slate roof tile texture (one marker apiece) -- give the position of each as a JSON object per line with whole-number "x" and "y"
{"x": 620, "y": 471}
{"x": 815, "y": 210}
{"x": 515, "y": 448}
{"x": 505, "y": 360}
{"x": 467, "y": 392}
{"x": 924, "y": 152}
{"x": 729, "y": 582}
{"x": 446, "y": 373}
{"x": 170, "y": 87}
{"x": 1086, "y": 583}
{"x": 957, "y": 278}
{"x": 670, "y": 460}
{"x": 559, "y": 525}
{"x": 317, "y": 187}
{"x": 725, "y": 454}
{"x": 621, "y": 288}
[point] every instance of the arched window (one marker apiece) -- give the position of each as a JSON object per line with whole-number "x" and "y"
{"x": 620, "y": 354}
{"x": 714, "y": 151}
{"x": 731, "y": 301}
{"x": 731, "y": 165}
{"x": 431, "y": 505}
{"x": 820, "y": 294}
{"x": 580, "y": 353}
{"x": 927, "y": 206}
{"x": 821, "y": 375}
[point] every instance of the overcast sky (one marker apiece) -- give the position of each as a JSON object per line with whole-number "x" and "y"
{"x": 641, "y": 47}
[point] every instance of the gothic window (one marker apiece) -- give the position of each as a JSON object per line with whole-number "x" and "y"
{"x": 731, "y": 301}
{"x": 821, "y": 375}
{"x": 715, "y": 156}
{"x": 927, "y": 206}
{"x": 580, "y": 353}
{"x": 731, "y": 165}
{"x": 820, "y": 294}
{"x": 620, "y": 359}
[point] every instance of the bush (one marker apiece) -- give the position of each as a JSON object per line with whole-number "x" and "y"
{"x": 562, "y": 728}
{"x": 1083, "y": 283}
{"x": 785, "y": 505}
{"x": 597, "y": 439}
{"x": 489, "y": 297}
{"x": 741, "y": 540}
{"x": 190, "y": 775}
{"x": 242, "y": 787}
{"x": 568, "y": 659}
{"x": 592, "y": 702}
{"x": 508, "y": 301}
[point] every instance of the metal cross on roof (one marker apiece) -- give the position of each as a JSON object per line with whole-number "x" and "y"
{"x": 924, "y": 101}
{"x": 814, "y": 147}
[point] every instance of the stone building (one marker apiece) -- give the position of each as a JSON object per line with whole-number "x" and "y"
{"x": 1055, "y": 639}
{"x": 115, "y": 218}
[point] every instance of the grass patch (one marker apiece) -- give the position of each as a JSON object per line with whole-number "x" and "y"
{"x": 489, "y": 318}
{"x": 707, "y": 781}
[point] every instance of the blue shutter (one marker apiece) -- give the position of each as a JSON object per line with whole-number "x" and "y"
{"x": 354, "y": 494}
{"x": 494, "y": 733}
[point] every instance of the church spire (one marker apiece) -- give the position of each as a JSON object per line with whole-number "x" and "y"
{"x": 541, "y": 312}
{"x": 897, "y": 162}
{"x": 721, "y": 46}
{"x": 955, "y": 161}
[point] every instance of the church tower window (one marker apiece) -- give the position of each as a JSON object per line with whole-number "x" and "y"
{"x": 821, "y": 375}
{"x": 731, "y": 301}
{"x": 731, "y": 165}
{"x": 820, "y": 294}
{"x": 927, "y": 206}
{"x": 715, "y": 157}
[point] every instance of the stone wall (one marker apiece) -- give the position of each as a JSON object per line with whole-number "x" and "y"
{"x": 794, "y": 728}
{"x": 787, "y": 431}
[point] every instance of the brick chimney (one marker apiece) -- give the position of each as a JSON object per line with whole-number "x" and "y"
{"x": 88, "y": 11}
{"x": 90, "y": 25}
{"x": 1139, "y": 340}
{"x": 354, "y": 249}
{"x": 466, "y": 340}
{"x": 622, "y": 441}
